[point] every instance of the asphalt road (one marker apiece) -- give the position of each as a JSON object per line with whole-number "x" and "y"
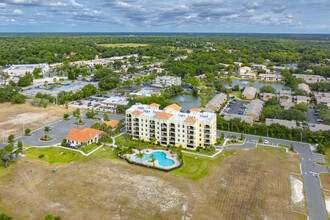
{"x": 310, "y": 170}
{"x": 59, "y": 130}
{"x": 311, "y": 117}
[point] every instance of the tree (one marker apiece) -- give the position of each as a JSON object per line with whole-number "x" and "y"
{"x": 91, "y": 114}
{"x": 20, "y": 144}
{"x": 291, "y": 147}
{"x": 27, "y": 132}
{"x": 260, "y": 140}
{"x": 222, "y": 136}
{"x": 11, "y": 138}
{"x": 18, "y": 99}
{"x": 66, "y": 116}
{"x": 26, "y": 80}
{"x": 8, "y": 153}
{"x": 152, "y": 159}
{"x": 5, "y": 217}
{"x": 105, "y": 117}
{"x": 47, "y": 129}
{"x": 321, "y": 149}
{"x": 140, "y": 155}
{"x": 268, "y": 89}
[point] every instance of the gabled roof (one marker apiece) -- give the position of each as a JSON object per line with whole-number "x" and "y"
{"x": 83, "y": 135}
{"x": 163, "y": 115}
{"x": 137, "y": 112}
{"x": 191, "y": 119}
{"x": 112, "y": 123}
{"x": 195, "y": 110}
{"x": 154, "y": 105}
{"x": 174, "y": 106}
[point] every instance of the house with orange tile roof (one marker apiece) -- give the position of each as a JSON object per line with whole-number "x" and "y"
{"x": 77, "y": 137}
{"x": 112, "y": 123}
{"x": 170, "y": 126}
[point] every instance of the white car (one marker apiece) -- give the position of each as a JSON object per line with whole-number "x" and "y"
{"x": 266, "y": 142}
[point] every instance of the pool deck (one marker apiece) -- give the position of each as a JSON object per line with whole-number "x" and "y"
{"x": 169, "y": 155}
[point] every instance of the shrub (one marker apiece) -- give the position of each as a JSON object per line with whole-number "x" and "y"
{"x": 41, "y": 156}
{"x": 63, "y": 143}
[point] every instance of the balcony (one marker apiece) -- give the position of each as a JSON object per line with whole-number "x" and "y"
{"x": 172, "y": 134}
{"x": 128, "y": 116}
{"x": 152, "y": 122}
{"x": 136, "y": 124}
{"x": 191, "y": 128}
{"x": 191, "y": 136}
{"x": 190, "y": 146}
{"x": 164, "y": 134}
{"x": 172, "y": 129}
{"x": 163, "y": 129}
{"x": 152, "y": 126}
{"x": 207, "y": 131}
{"x": 172, "y": 125}
{"x": 207, "y": 127}
{"x": 207, "y": 136}
{"x": 152, "y": 136}
{"x": 136, "y": 120}
{"x": 191, "y": 132}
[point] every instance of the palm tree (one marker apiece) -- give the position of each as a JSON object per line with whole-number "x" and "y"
{"x": 180, "y": 156}
{"x": 152, "y": 159}
{"x": 46, "y": 130}
{"x": 140, "y": 155}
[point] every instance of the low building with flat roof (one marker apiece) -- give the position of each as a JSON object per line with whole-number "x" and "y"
{"x": 114, "y": 101}
{"x": 22, "y": 69}
{"x": 249, "y": 93}
{"x": 322, "y": 98}
{"x": 168, "y": 81}
{"x": 271, "y": 77}
{"x": 287, "y": 105}
{"x": 216, "y": 102}
{"x": 245, "y": 118}
{"x": 289, "y": 124}
{"x": 301, "y": 99}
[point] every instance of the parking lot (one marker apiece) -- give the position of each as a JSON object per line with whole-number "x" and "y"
{"x": 313, "y": 116}
{"x": 65, "y": 86}
{"x": 235, "y": 107}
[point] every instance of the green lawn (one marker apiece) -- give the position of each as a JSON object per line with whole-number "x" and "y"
{"x": 195, "y": 167}
{"x": 120, "y": 141}
{"x": 327, "y": 157}
{"x": 292, "y": 151}
{"x": 88, "y": 148}
{"x": 54, "y": 155}
{"x": 205, "y": 99}
{"x": 237, "y": 94}
{"x": 4, "y": 171}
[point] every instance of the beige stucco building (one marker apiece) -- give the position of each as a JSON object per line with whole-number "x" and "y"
{"x": 170, "y": 126}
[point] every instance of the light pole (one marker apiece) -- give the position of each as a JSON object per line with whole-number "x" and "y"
{"x": 267, "y": 131}
{"x": 228, "y": 127}
{"x": 301, "y": 136}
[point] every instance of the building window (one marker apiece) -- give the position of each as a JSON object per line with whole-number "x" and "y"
{"x": 182, "y": 135}
{"x": 178, "y": 125}
{"x": 182, "y": 126}
{"x": 179, "y": 139}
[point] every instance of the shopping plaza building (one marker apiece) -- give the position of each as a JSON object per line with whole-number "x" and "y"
{"x": 170, "y": 126}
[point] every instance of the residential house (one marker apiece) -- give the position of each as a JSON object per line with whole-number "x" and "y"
{"x": 244, "y": 69}
{"x": 322, "y": 98}
{"x": 304, "y": 87}
{"x": 249, "y": 93}
{"x": 279, "y": 68}
{"x": 301, "y": 99}
{"x": 247, "y": 76}
{"x": 216, "y": 102}
{"x": 266, "y": 96}
{"x": 201, "y": 77}
{"x": 238, "y": 64}
{"x": 271, "y": 77}
{"x": 284, "y": 96}
{"x": 310, "y": 78}
{"x": 287, "y": 105}
{"x": 258, "y": 66}
{"x": 286, "y": 123}
{"x": 170, "y": 126}
{"x": 77, "y": 137}
{"x": 168, "y": 81}
{"x": 254, "y": 109}
{"x": 245, "y": 118}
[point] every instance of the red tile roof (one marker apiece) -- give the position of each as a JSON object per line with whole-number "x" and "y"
{"x": 137, "y": 112}
{"x": 112, "y": 123}
{"x": 195, "y": 110}
{"x": 175, "y": 106}
{"x": 191, "y": 119}
{"x": 154, "y": 104}
{"x": 83, "y": 135}
{"x": 163, "y": 115}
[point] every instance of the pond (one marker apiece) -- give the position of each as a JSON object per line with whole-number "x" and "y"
{"x": 187, "y": 101}
{"x": 258, "y": 85}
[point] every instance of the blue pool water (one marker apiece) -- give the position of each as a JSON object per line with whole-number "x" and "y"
{"x": 160, "y": 157}
{"x": 67, "y": 84}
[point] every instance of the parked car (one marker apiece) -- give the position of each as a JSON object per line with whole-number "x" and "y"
{"x": 266, "y": 142}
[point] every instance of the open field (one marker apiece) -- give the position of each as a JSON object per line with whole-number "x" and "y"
{"x": 123, "y": 45}
{"x": 13, "y": 116}
{"x": 240, "y": 184}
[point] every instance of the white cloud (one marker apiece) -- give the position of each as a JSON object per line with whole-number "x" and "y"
{"x": 57, "y": 4}
{"x": 18, "y": 12}
{"x": 2, "y": 5}
{"x": 74, "y": 3}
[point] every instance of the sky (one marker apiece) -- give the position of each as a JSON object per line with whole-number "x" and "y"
{"x": 211, "y": 16}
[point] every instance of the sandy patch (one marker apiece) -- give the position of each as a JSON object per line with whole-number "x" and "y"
{"x": 327, "y": 204}
{"x": 297, "y": 186}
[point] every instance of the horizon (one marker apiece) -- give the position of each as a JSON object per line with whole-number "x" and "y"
{"x": 197, "y": 16}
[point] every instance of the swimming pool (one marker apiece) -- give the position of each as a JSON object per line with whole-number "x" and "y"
{"x": 160, "y": 157}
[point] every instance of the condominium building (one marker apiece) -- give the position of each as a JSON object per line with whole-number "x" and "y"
{"x": 170, "y": 126}
{"x": 168, "y": 81}
{"x": 271, "y": 77}
{"x": 310, "y": 78}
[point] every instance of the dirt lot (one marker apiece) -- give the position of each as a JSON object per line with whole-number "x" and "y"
{"x": 13, "y": 116}
{"x": 249, "y": 184}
